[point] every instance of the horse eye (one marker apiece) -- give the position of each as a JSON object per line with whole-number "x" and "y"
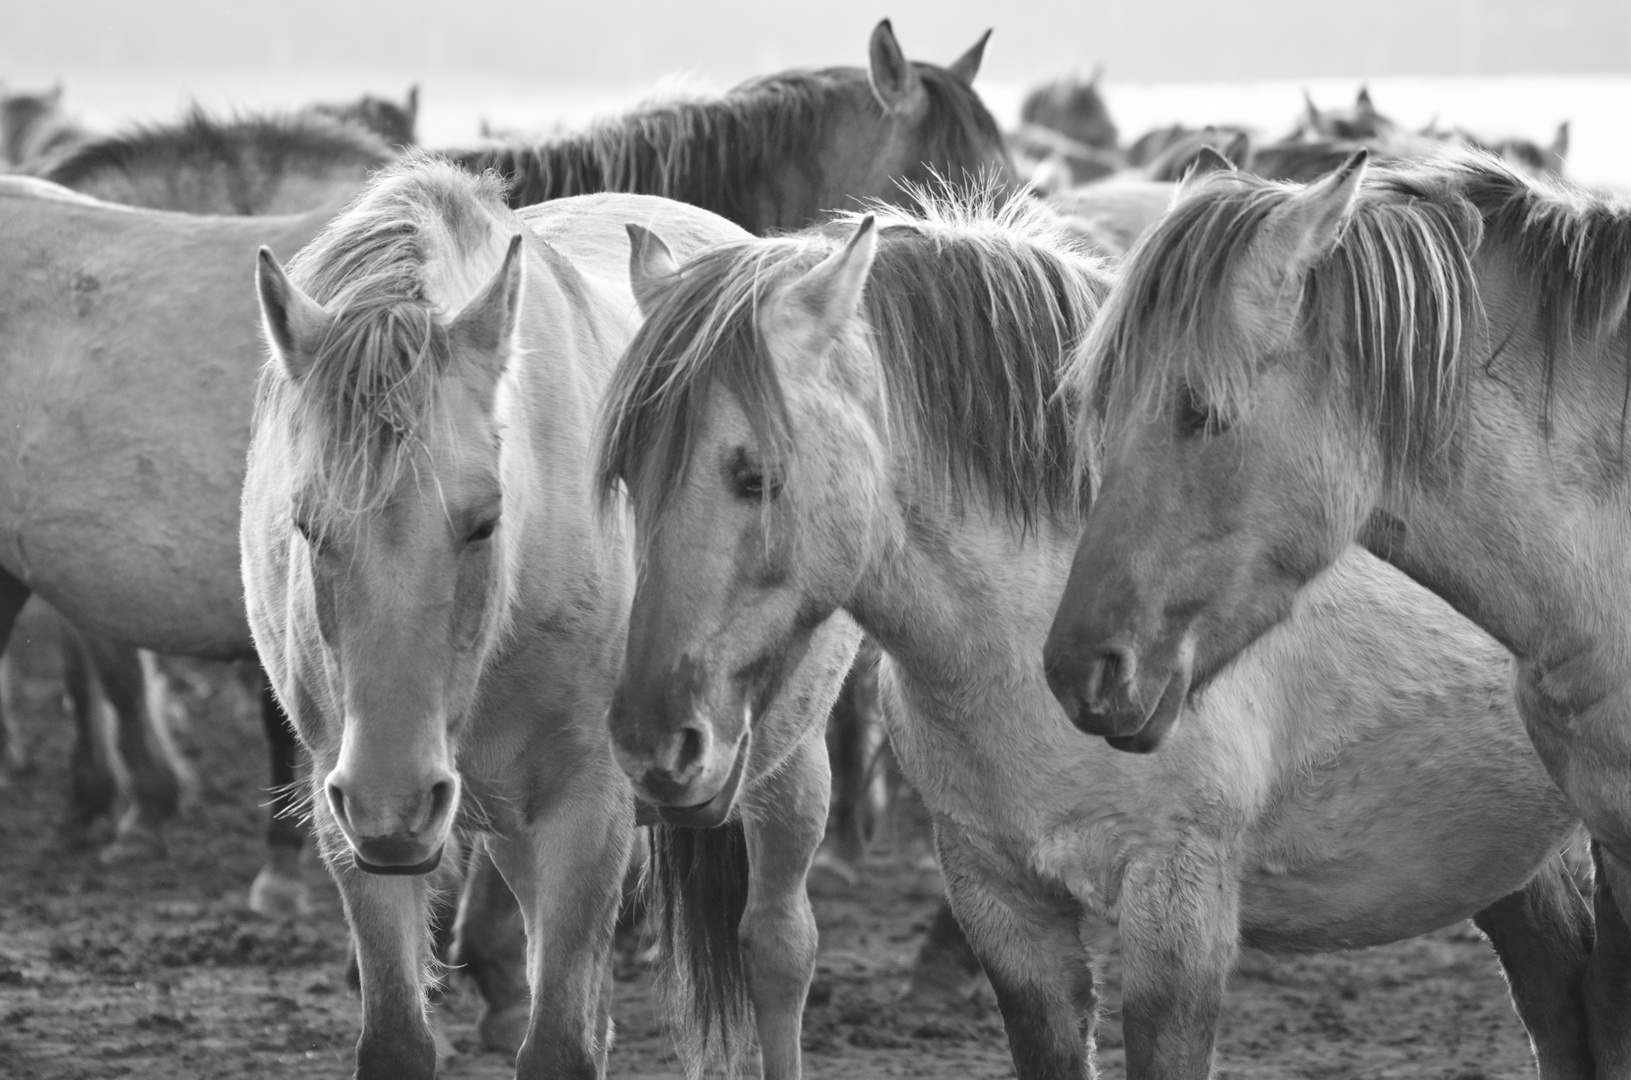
{"x": 481, "y": 532}
{"x": 747, "y": 480}
{"x": 1196, "y": 417}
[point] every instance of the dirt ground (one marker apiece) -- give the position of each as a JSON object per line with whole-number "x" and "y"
{"x": 160, "y": 971}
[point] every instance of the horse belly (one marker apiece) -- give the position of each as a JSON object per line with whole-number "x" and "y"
{"x": 1386, "y": 856}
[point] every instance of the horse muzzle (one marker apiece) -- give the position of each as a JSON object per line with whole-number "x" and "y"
{"x": 395, "y": 861}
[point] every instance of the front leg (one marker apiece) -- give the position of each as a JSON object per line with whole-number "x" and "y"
{"x": 389, "y": 918}
{"x": 566, "y": 871}
{"x": 783, "y": 818}
{"x": 1032, "y": 952}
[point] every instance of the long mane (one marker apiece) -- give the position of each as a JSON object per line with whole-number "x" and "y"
{"x": 1394, "y": 316}
{"x": 382, "y": 269}
{"x": 715, "y": 152}
{"x": 246, "y": 147}
{"x": 969, "y": 310}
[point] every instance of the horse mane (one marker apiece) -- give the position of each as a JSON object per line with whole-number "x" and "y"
{"x": 377, "y": 269}
{"x": 1387, "y": 316}
{"x": 969, "y": 309}
{"x": 714, "y": 152}
{"x": 247, "y": 145}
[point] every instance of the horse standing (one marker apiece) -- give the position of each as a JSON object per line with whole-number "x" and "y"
{"x": 1431, "y": 362}
{"x": 792, "y": 424}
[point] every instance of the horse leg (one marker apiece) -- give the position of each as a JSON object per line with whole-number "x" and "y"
{"x": 93, "y": 787}
{"x": 1037, "y": 965}
{"x": 566, "y": 870}
{"x": 490, "y": 945}
{"x": 1180, "y": 931}
{"x": 155, "y": 785}
{"x": 1608, "y": 974}
{"x": 783, "y": 820}
{"x": 13, "y": 595}
{"x": 279, "y": 891}
{"x": 388, "y": 918}
{"x": 946, "y": 969}
{"x": 1543, "y": 936}
{"x": 850, "y": 752}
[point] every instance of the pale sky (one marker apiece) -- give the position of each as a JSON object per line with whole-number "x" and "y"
{"x": 624, "y": 41}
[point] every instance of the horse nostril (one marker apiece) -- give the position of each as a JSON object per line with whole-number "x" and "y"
{"x": 690, "y": 753}
{"x": 1106, "y": 677}
{"x": 336, "y": 801}
{"x": 441, "y": 797}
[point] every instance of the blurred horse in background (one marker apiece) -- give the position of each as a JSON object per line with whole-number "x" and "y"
{"x": 34, "y": 126}
{"x": 393, "y": 123}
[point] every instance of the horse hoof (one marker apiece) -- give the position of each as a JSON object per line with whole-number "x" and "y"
{"x": 133, "y": 846}
{"x": 502, "y": 1030}
{"x": 277, "y": 897}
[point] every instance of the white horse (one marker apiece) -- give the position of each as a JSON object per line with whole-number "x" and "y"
{"x": 865, "y": 419}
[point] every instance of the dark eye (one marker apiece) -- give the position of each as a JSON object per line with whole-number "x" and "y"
{"x": 747, "y": 479}
{"x": 482, "y": 532}
{"x": 1196, "y": 416}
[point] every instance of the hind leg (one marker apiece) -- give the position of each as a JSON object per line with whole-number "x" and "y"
{"x": 1031, "y": 951}
{"x": 490, "y": 946}
{"x": 854, "y": 732}
{"x": 946, "y": 969}
{"x": 279, "y": 890}
{"x": 1180, "y": 929}
{"x": 1543, "y": 936}
{"x": 93, "y": 787}
{"x": 1608, "y": 974}
{"x": 155, "y": 783}
{"x": 566, "y": 870}
{"x": 783, "y": 820}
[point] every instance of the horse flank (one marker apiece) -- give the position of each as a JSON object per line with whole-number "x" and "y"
{"x": 968, "y": 352}
{"x": 715, "y": 152}
{"x": 382, "y": 270}
{"x": 1389, "y": 315}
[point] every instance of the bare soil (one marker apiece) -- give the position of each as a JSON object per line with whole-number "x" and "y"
{"x": 160, "y": 971}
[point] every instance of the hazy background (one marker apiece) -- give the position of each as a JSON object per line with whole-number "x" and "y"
{"x": 1495, "y": 66}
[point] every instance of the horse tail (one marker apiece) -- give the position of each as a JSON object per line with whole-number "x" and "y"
{"x": 696, "y": 893}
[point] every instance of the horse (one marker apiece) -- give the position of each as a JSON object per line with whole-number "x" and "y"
{"x": 777, "y": 152}
{"x": 33, "y": 127}
{"x": 252, "y": 164}
{"x": 1073, "y": 107}
{"x": 866, "y": 418}
{"x": 1427, "y": 359}
{"x": 438, "y": 599}
{"x": 383, "y": 117}
{"x": 1363, "y": 121}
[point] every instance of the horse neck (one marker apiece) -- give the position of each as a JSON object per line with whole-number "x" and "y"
{"x": 1530, "y": 535}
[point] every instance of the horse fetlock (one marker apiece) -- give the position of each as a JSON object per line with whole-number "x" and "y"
{"x": 400, "y": 1055}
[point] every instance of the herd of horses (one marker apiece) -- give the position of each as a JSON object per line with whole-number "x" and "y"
{"x": 550, "y": 489}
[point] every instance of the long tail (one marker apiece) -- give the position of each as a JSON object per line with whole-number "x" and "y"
{"x": 697, "y": 890}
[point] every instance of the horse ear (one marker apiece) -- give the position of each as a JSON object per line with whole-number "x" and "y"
{"x": 806, "y": 317}
{"x": 1306, "y": 228}
{"x": 1239, "y": 151}
{"x": 1207, "y": 160}
{"x": 895, "y": 82}
{"x": 411, "y": 109}
{"x": 651, "y": 267}
{"x": 1560, "y": 143}
{"x": 487, "y": 323}
{"x": 54, "y": 98}
{"x": 1363, "y": 102}
{"x": 1312, "y": 117}
{"x": 295, "y": 323}
{"x": 1093, "y": 79}
{"x": 967, "y": 66}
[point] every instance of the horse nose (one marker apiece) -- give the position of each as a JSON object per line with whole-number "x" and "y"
{"x": 677, "y": 760}
{"x": 393, "y": 823}
{"x": 1096, "y": 692}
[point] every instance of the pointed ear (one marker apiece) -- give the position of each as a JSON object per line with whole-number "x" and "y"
{"x": 487, "y": 323}
{"x": 1239, "y": 150}
{"x": 1206, "y": 161}
{"x": 1093, "y": 79}
{"x": 1560, "y": 143}
{"x": 1303, "y": 231}
{"x": 895, "y": 82}
{"x": 1431, "y": 130}
{"x": 412, "y": 107}
{"x": 651, "y": 267}
{"x": 1363, "y": 102}
{"x": 805, "y": 318}
{"x": 967, "y": 66}
{"x": 295, "y": 323}
{"x": 1311, "y": 112}
{"x": 54, "y": 98}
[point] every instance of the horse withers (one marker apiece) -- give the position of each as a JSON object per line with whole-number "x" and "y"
{"x": 433, "y": 591}
{"x": 792, "y": 424}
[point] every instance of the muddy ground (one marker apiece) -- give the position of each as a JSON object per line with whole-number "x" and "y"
{"x": 160, "y": 971}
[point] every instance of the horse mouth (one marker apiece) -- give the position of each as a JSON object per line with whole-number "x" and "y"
{"x": 714, "y": 811}
{"x": 398, "y": 869}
